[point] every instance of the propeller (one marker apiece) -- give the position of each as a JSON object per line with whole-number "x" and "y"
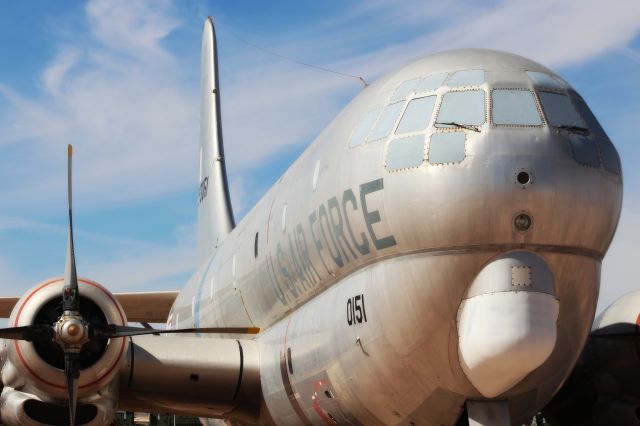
{"x": 71, "y": 332}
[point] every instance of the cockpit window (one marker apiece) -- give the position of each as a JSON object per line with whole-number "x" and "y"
{"x": 404, "y": 89}
{"x": 386, "y": 122}
{"x": 513, "y": 107}
{"x": 467, "y": 78}
{"x": 544, "y": 80}
{"x": 462, "y": 108}
{"x": 588, "y": 116}
{"x": 431, "y": 82}
{"x": 417, "y": 115}
{"x": 362, "y": 129}
{"x": 560, "y": 111}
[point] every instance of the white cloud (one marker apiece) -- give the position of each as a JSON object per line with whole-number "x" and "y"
{"x": 551, "y": 31}
{"x": 54, "y": 76}
{"x": 121, "y": 98}
{"x": 133, "y": 28}
{"x": 165, "y": 268}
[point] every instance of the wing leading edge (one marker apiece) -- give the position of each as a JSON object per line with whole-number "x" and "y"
{"x": 139, "y": 307}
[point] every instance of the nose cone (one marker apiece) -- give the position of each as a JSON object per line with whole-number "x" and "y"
{"x": 507, "y": 322}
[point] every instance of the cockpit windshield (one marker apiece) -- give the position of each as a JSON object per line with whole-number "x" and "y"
{"x": 514, "y": 107}
{"x": 459, "y": 109}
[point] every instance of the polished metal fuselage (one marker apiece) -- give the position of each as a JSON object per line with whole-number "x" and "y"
{"x": 355, "y": 272}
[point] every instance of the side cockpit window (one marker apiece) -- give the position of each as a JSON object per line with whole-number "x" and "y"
{"x": 514, "y": 107}
{"x": 541, "y": 79}
{"x": 592, "y": 123}
{"x": 404, "y": 89}
{"x": 431, "y": 82}
{"x": 362, "y": 129}
{"x": 560, "y": 111}
{"x": 386, "y": 122}
{"x": 417, "y": 115}
{"x": 459, "y": 109}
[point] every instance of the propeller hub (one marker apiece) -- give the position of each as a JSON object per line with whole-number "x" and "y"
{"x": 72, "y": 332}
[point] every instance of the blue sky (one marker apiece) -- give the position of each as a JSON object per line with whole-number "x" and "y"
{"x": 120, "y": 80}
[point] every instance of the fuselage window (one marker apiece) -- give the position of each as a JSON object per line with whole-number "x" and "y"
{"x": 467, "y": 78}
{"x": 462, "y": 108}
{"x": 417, "y": 115}
{"x": 589, "y": 118}
{"x": 544, "y": 80}
{"x": 560, "y": 111}
{"x": 514, "y": 107}
{"x": 362, "y": 129}
{"x": 386, "y": 122}
{"x": 431, "y": 82}
{"x": 404, "y": 89}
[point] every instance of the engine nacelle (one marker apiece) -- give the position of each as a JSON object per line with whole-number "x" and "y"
{"x": 33, "y": 373}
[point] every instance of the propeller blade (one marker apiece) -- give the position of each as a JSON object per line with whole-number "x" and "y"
{"x": 112, "y": 331}
{"x": 30, "y": 333}
{"x": 72, "y": 373}
{"x": 70, "y": 296}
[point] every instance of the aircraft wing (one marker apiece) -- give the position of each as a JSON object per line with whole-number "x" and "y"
{"x": 147, "y": 307}
{"x": 6, "y": 306}
{"x": 139, "y": 307}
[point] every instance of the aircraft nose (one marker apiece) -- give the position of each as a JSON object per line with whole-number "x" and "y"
{"x": 507, "y": 322}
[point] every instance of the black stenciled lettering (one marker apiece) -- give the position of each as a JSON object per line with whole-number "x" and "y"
{"x": 356, "y": 313}
{"x": 297, "y": 265}
{"x": 274, "y": 281}
{"x": 313, "y": 218}
{"x": 288, "y": 280}
{"x": 374, "y": 216}
{"x": 301, "y": 241}
{"x": 364, "y": 312}
{"x": 358, "y": 308}
{"x": 335, "y": 253}
{"x": 338, "y": 227}
{"x": 348, "y": 197}
{"x": 202, "y": 191}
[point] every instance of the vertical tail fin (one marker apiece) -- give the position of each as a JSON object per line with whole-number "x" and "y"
{"x": 215, "y": 216}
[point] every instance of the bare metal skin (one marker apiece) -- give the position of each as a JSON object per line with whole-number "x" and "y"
{"x": 411, "y": 254}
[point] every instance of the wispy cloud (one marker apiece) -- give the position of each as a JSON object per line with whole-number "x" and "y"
{"x": 164, "y": 268}
{"x": 120, "y": 96}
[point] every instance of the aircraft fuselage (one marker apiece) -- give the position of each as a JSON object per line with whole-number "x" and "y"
{"x": 460, "y": 179}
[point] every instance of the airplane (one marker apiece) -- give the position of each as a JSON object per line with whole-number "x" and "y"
{"x": 432, "y": 258}
{"x": 603, "y": 387}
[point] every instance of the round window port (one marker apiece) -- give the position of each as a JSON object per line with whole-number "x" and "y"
{"x": 522, "y": 222}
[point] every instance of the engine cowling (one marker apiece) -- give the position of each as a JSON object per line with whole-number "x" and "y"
{"x": 33, "y": 373}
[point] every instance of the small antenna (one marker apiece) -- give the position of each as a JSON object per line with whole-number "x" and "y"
{"x": 271, "y": 52}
